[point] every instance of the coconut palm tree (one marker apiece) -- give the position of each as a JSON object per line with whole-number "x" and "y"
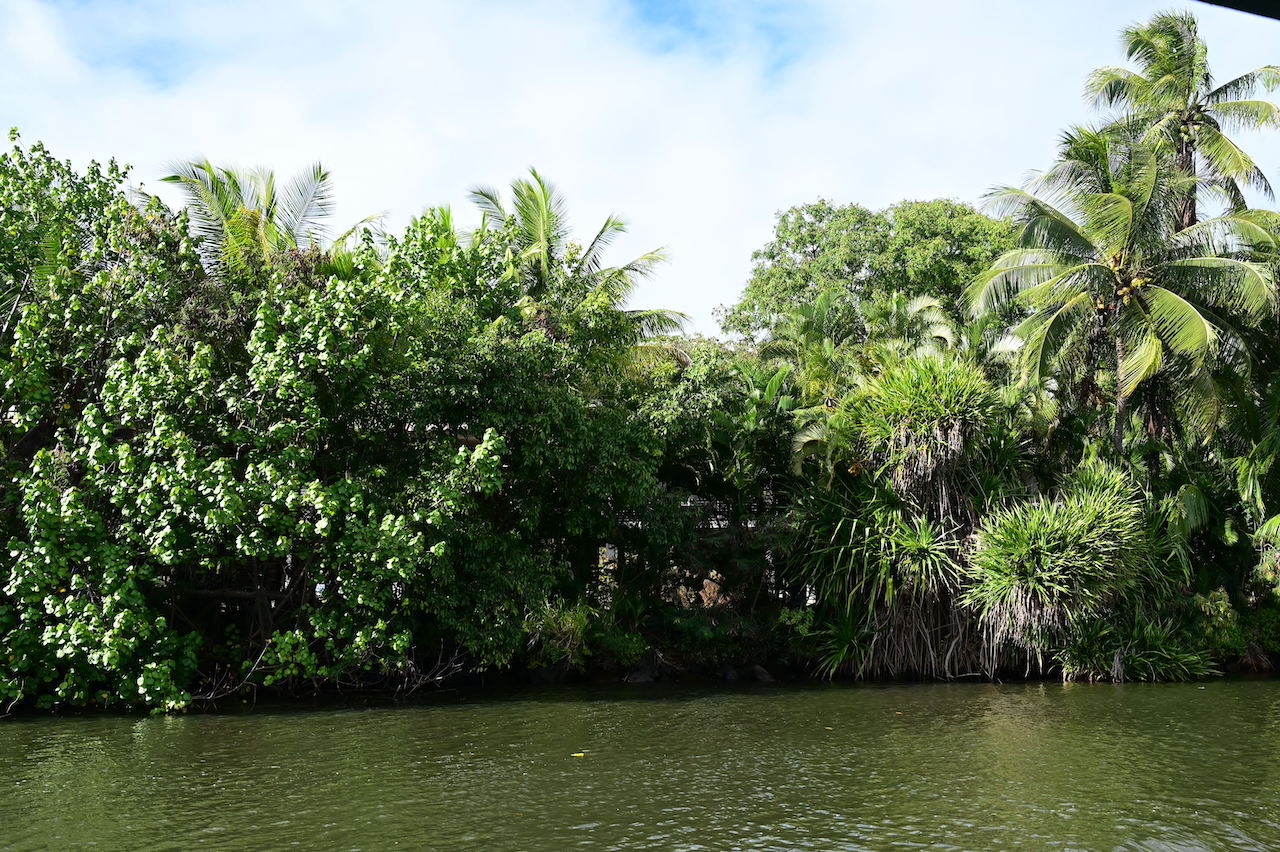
{"x": 556, "y": 269}
{"x": 1108, "y": 274}
{"x": 1173, "y": 97}
{"x": 244, "y": 217}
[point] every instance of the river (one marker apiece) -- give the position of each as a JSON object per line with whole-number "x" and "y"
{"x": 962, "y": 766}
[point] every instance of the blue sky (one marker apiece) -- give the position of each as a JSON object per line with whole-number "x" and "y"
{"x": 779, "y": 32}
{"x": 696, "y": 121}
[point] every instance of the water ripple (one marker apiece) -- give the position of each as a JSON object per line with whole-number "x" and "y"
{"x": 960, "y": 767}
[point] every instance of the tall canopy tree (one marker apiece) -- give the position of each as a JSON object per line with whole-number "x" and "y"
{"x": 1172, "y": 96}
{"x": 915, "y": 247}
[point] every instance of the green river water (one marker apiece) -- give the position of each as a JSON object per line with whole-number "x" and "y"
{"x": 965, "y": 766}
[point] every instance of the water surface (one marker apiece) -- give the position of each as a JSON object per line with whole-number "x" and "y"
{"x": 965, "y": 766}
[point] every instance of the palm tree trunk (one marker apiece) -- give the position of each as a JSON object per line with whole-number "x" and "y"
{"x": 1122, "y": 401}
{"x": 1186, "y": 163}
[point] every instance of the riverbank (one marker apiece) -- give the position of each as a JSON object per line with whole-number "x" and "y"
{"x": 647, "y": 679}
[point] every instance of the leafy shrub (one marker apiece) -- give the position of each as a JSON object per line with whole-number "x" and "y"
{"x": 796, "y": 620}
{"x": 1219, "y": 625}
{"x": 706, "y": 633}
{"x": 625, "y": 647}
{"x": 1261, "y": 626}
{"x": 556, "y": 634}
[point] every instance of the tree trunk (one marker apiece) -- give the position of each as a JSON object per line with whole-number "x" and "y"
{"x": 1156, "y": 419}
{"x": 1121, "y": 400}
{"x": 1185, "y": 162}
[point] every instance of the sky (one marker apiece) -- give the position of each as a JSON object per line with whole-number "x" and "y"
{"x": 697, "y": 122}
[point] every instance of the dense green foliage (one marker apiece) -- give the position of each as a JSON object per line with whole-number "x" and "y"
{"x": 915, "y": 247}
{"x": 240, "y": 455}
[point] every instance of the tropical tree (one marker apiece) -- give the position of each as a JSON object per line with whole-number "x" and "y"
{"x": 936, "y": 247}
{"x": 902, "y": 326}
{"x": 915, "y": 247}
{"x": 245, "y": 217}
{"x": 1182, "y": 113}
{"x": 813, "y": 339}
{"x": 1108, "y": 273}
{"x": 554, "y": 269}
{"x": 50, "y": 216}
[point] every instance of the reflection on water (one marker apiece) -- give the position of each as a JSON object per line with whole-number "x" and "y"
{"x": 1041, "y": 766}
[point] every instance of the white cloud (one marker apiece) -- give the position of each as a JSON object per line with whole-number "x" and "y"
{"x": 696, "y": 141}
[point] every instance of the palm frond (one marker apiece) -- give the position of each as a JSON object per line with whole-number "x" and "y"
{"x": 1252, "y": 286}
{"x": 1178, "y": 323}
{"x": 489, "y": 200}
{"x": 1141, "y": 361}
{"x": 1225, "y": 157}
{"x": 1111, "y": 220}
{"x": 1114, "y": 87}
{"x": 657, "y": 323}
{"x": 1268, "y": 77}
{"x": 304, "y": 205}
{"x": 1010, "y": 275}
{"x": 609, "y": 231}
{"x": 1043, "y": 331}
{"x": 1245, "y": 114}
{"x": 209, "y": 199}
